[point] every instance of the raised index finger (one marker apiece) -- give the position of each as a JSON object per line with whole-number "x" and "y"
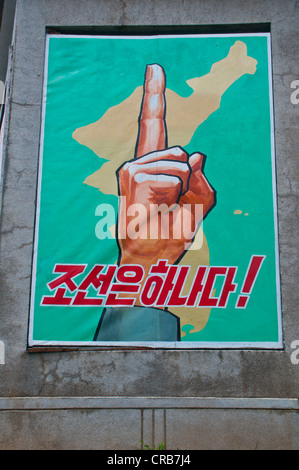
{"x": 152, "y": 134}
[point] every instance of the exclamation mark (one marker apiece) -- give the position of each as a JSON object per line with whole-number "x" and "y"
{"x": 250, "y": 278}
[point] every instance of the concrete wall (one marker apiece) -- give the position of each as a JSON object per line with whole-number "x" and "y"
{"x": 122, "y": 423}
{"x": 27, "y": 421}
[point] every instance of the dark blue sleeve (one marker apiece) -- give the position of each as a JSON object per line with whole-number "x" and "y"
{"x": 137, "y": 324}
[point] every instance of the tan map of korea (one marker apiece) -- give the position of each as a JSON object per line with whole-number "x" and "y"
{"x": 113, "y": 137}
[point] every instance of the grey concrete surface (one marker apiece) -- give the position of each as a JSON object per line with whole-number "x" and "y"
{"x": 120, "y": 430}
{"x": 133, "y": 423}
{"x": 203, "y": 373}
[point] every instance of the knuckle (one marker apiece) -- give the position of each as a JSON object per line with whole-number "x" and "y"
{"x": 211, "y": 196}
{"x": 186, "y": 168}
{"x": 179, "y": 152}
{"x": 128, "y": 169}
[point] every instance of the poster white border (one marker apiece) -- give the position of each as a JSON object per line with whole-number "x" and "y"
{"x": 156, "y": 345}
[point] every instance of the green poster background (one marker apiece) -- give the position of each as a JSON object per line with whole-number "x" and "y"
{"x": 85, "y": 77}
